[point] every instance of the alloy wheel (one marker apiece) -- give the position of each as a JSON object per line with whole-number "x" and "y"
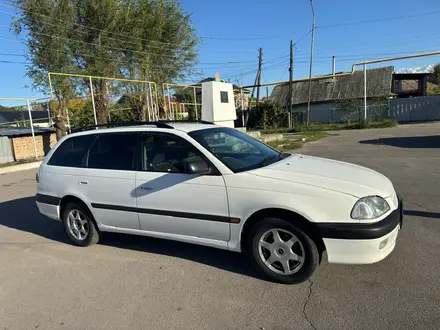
{"x": 281, "y": 251}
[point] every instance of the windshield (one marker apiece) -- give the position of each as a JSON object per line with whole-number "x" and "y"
{"x": 237, "y": 150}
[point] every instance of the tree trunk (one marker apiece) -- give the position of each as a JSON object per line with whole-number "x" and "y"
{"x": 138, "y": 104}
{"x": 60, "y": 127}
{"x": 59, "y": 124}
{"x": 101, "y": 101}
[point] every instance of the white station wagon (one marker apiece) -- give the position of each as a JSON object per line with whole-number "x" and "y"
{"x": 200, "y": 183}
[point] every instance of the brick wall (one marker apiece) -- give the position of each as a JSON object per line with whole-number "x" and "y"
{"x": 23, "y": 147}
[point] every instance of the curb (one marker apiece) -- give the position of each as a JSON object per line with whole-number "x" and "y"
{"x": 21, "y": 167}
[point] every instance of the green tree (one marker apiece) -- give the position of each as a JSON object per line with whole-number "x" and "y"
{"x": 163, "y": 48}
{"x": 434, "y": 80}
{"x": 135, "y": 39}
{"x": 42, "y": 20}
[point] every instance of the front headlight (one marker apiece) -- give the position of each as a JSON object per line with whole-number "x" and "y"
{"x": 370, "y": 207}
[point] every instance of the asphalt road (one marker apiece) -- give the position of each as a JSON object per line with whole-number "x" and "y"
{"x": 129, "y": 282}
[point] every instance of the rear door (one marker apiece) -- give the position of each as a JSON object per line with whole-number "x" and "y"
{"x": 173, "y": 202}
{"x": 108, "y": 181}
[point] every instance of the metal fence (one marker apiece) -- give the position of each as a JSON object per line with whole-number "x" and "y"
{"x": 123, "y": 98}
{"x": 421, "y": 108}
{"x": 182, "y": 101}
{"x": 6, "y": 155}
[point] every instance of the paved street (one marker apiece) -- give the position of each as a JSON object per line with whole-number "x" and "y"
{"x": 128, "y": 282}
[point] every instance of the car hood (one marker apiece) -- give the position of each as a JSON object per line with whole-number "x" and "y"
{"x": 329, "y": 174}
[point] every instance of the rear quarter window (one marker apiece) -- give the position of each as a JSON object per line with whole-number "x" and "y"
{"x": 72, "y": 152}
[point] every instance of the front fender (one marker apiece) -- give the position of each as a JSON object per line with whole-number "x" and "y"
{"x": 318, "y": 205}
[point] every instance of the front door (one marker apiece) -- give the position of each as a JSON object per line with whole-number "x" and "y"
{"x": 174, "y": 202}
{"x": 108, "y": 181}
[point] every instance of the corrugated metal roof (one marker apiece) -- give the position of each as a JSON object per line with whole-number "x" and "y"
{"x": 24, "y": 131}
{"x": 347, "y": 87}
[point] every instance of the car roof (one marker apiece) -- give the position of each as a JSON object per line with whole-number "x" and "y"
{"x": 190, "y": 127}
{"x": 168, "y": 126}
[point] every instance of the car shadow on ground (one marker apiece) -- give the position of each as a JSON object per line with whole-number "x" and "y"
{"x": 432, "y": 141}
{"x": 22, "y": 214}
{"x": 423, "y": 214}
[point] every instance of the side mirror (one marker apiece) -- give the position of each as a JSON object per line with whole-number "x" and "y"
{"x": 197, "y": 166}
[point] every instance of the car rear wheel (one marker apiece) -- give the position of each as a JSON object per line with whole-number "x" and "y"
{"x": 282, "y": 252}
{"x": 79, "y": 225}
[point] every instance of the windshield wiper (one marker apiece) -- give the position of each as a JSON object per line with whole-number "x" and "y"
{"x": 266, "y": 160}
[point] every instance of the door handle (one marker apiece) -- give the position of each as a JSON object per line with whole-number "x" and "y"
{"x": 83, "y": 183}
{"x": 146, "y": 188}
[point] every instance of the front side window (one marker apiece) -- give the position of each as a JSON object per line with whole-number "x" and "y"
{"x": 237, "y": 150}
{"x": 72, "y": 152}
{"x": 114, "y": 152}
{"x": 165, "y": 153}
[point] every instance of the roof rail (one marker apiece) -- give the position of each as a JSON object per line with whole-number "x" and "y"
{"x": 187, "y": 122}
{"x": 158, "y": 124}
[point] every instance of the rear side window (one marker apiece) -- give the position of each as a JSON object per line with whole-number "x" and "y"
{"x": 72, "y": 152}
{"x": 114, "y": 152}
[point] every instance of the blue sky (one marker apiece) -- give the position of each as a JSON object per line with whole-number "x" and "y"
{"x": 232, "y": 31}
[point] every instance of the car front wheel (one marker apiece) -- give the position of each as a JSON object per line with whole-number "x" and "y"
{"x": 282, "y": 252}
{"x": 79, "y": 225}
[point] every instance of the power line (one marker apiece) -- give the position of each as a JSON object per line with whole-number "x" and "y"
{"x": 122, "y": 61}
{"x": 7, "y": 54}
{"x": 381, "y": 43}
{"x": 87, "y": 27}
{"x": 13, "y": 62}
{"x": 378, "y": 20}
{"x": 305, "y": 35}
{"x": 284, "y": 72}
{"x": 365, "y": 55}
{"x": 126, "y": 49}
{"x": 137, "y": 38}
{"x": 240, "y": 38}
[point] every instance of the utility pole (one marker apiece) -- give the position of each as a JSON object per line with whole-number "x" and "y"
{"x": 267, "y": 92}
{"x": 311, "y": 63}
{"x": 253, "y": 89}
{"x": 241, "y": 96}
{"x": 365, "y": 92}
{"x": 290, "y": 108}
{"x": 260, "y": 64}
{"x": 334, "y": 65}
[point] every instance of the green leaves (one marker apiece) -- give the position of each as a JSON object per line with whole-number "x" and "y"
{"x": 135, "y": 39}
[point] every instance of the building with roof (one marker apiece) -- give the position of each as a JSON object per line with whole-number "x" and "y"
{"x": 17, "y": 143}
{"x": 328, "y": 96}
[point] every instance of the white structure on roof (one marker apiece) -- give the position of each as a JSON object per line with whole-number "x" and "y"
{"x": 218, "y": 104}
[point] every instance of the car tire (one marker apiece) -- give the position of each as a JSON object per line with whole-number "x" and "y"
{"x": 79, "y": 225}
{"x": 282, "y": 252}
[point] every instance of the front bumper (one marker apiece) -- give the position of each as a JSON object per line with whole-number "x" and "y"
{"x": 362, "y": 243}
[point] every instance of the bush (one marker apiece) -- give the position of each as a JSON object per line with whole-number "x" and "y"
{"x": 268, "y": 115}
